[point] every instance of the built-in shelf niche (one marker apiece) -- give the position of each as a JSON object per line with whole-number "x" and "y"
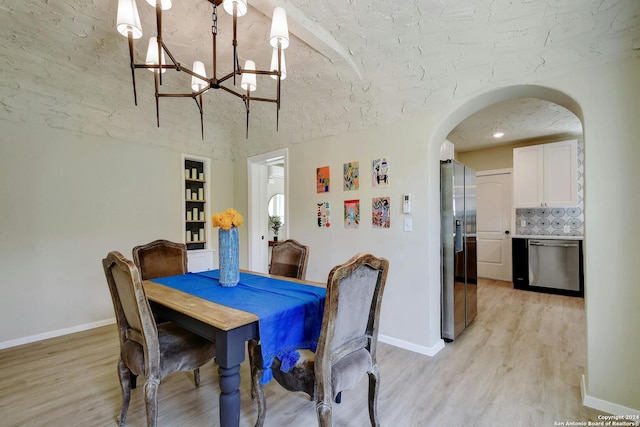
{"x": 196, "y": 207}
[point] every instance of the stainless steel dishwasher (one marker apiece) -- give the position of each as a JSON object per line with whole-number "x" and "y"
{"x": 554, "y": 264}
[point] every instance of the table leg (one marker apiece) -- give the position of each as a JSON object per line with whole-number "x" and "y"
{"x": 230, "y": 351}
{"x": 229, "y": 396}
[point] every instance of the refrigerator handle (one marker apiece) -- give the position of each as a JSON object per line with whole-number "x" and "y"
{"x": 458, "y": 236}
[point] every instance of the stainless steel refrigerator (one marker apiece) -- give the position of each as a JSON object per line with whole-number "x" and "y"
{"x": 458, "y": 242}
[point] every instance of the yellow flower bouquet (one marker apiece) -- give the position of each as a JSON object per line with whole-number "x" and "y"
{"x": 227, "y": 219}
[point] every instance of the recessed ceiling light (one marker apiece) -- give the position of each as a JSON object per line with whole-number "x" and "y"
{"x": 498, "y": 134}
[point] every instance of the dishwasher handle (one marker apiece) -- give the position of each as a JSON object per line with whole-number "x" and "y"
{"x": 553, "y": 244}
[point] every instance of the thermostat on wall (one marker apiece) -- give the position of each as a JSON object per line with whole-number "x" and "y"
{"x": 406, "y": 203}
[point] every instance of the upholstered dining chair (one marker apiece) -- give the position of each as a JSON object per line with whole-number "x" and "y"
{"x": 160, "y": 258}
{"x": 289, "y": 258}
{"x": 347, "y": 345}
{"x": 149, "y": 350}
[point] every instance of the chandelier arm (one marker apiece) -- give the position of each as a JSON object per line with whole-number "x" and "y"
{"x": 159, "y": 38}
{"x": 177, "y": 95}
{"x": 155, "y": 80}
{"x": 175, "y": 65}
{"x": 154, "y": 67}
{"x": 264, "y": 99}
{"x": 227, "y": 77}
{"x": 246, "y": 136}
{"x": 239, "y": 95}
{"x": 279, "y": 77}
{"x": 260, "y": 72}
{"x": 278, "y": 99}
{"x": 278, "y": 93}
{"x": 133, "y": 67}
{"x": 236, "y": 63}
{"x": 193, "y": 73}
{"x": 246, "y": 100}
{"x": 231, "y": 91}
{"x": 199, "y": 104}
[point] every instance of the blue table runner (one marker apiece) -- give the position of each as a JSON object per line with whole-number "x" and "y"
{"x": 290, "y": 314}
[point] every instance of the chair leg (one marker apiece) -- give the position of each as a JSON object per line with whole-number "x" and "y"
{"x": 323, "y": 410}
{"x": 257, "y": 393}
{"x": 196, "y": 377}
{"x": 125, "y": 383}
{"x": 374, "y": 386}
{"x": 151, "y": 401}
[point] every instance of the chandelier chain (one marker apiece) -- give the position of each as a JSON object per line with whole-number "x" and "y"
{"x": 214, "y": 19}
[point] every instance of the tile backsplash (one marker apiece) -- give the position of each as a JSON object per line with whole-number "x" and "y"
{"x": 552, "y": 220}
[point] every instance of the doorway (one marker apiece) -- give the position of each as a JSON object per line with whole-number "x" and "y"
{"x": 260, "y": 170}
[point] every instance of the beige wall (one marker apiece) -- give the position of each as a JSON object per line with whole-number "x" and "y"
{"x": 65, "y": 201}
{"x": 487, "y": 159}
{"x": 498, "y": 157}
{"x": 610, "y": 98}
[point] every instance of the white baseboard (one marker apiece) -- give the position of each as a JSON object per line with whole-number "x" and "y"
{"x": 428, "y": 351}
{"x": 603, "y": 405}
{"x": 56, "y": 333}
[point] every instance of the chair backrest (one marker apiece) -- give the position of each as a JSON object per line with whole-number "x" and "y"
{"x": 352, "y": 310}
{"x": 133, "y": 313}
{"x": 289, "y": 258}
{"x": 160, "y": 258}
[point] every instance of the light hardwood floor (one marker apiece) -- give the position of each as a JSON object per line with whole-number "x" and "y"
{"x": 519, "y": 364}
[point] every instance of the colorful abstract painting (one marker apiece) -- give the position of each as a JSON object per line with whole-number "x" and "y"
{"x": 322, "y": 179}
{"x": 324, "y": 215}
{"x": 380, "y": 173}
{"x": 351, "y": 176}
{"x": 381, "y": 212}
{"x": 351, "y": 213}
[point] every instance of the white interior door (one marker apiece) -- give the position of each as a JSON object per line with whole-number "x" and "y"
{"x": 494, "y": 224}
{"x": 258, "y": 231}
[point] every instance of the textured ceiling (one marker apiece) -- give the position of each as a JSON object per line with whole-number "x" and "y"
{"x": 520, "y": 119}
{"x": 351, "y": 64}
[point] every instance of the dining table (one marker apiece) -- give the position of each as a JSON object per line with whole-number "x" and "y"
{"x": 285, "y": 314}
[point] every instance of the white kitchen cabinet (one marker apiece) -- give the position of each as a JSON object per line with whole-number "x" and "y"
{"x": 546, "y": 175}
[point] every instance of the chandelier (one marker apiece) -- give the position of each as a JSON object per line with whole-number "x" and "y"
{"x": 128, "y": 24}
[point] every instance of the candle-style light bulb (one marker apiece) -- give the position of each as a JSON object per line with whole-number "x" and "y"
{"x": 152, "y": 55}
{"x": 128, "y": 19}
{"x": 274, "y": 64}
{"x": 279, "y": 28}
{"x": 249, "y": 79}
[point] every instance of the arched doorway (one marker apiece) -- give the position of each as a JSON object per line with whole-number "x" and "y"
{"x": 448, "y": 122}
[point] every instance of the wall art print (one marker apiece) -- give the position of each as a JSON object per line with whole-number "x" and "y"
{"x": 380, "y": 173}
{"x": 324, "y": 215}
{"x": 381, "y": 212}
{"x": 351, "y": 176}
{"x": 322, "y": 179}
{"x": 351, "y": 213}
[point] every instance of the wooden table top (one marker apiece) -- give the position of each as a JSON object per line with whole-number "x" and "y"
{"x": 211, "y": 313}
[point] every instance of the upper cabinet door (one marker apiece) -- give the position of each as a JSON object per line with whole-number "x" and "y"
{"x": 527, "y": 176}
{"x": 546, "y": 175}
{"x": 561, "y": 173}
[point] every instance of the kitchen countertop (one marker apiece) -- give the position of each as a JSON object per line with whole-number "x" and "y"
{"x": 535, "y": 236}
